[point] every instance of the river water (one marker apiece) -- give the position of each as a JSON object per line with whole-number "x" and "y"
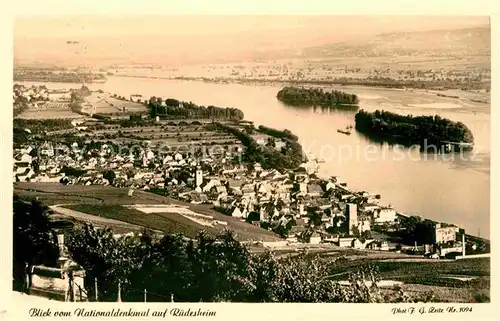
{"x": 450, "y": 188}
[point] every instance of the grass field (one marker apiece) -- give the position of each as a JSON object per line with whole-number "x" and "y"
{"x": 448, "y": 281}
{"x": 167, "y": 223}
{"x": 53, "y": 113}
{"x": 447, "y": 294}
{"x": 105, "y": 104}
{"x": 470, "y": 273}
{"x": 106, "y": 201}
{"x": 174, "y": 136}
{"x": 55, "y": 105}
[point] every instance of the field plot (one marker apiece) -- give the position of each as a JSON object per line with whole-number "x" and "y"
{"x": 164, "y": 222}
{"x": 105, "y": 104}
{"x": 447, "y": 294}
{"x": 456, "y": 274}
{"x": 169, "y": 135}
{"x": 108, "y": 202}
{"x": 48, "y": 114}
{"x": 55, "y": 105}
{"x": 108, "y": 194}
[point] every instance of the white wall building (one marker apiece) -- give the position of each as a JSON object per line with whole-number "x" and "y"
{"x": 384, "y": 215}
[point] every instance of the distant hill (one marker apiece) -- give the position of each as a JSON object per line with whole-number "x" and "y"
{"x": 460, "y": 42}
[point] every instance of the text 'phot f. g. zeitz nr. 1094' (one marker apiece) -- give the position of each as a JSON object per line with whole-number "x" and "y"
{"x": 212, "y": 167}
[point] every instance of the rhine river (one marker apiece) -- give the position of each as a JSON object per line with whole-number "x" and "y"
{"x": 447, "y": 188}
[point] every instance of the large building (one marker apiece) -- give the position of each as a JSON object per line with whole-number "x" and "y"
{"x": 444, "y": 234}
{"x": 385, "y": 215}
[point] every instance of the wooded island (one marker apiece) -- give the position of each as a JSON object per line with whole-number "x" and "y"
{"x": 317, "y": 97}
{"x": 422, "y": 130}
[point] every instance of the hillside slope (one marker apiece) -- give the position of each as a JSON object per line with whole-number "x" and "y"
{"x": 460, "y": 42}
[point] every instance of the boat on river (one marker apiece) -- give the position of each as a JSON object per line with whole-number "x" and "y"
{"x": 345, "y": 132}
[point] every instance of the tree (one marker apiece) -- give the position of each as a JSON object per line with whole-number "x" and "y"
{"x": 110, "y": 176}
{"x": 198, "y": 153}
{"x": 305, "y": 279}
{"x": 104, "y": 257}
{"x": 33, "y": 239}
{"x": 314, "y": 216}
{"x": 355, "y": 231}
{"x": 271, "y": 142}
{"x": 365, "y": 235}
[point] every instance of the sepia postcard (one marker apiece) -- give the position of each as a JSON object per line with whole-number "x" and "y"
{"x": 197, "y": 163}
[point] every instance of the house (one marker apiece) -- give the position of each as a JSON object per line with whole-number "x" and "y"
{"x": 264, "y": 188}
{"x": 315, "y": 238}
{"x": 346, "y": 197}
{"x": 379, "y": 245}
{"x": 346, "y": 241}
{"x": 220, "y": 189}
{"x": 178, "y": 157}
{"x": 314, "y": 190}
{"x": 371, "y": 207}
{"x": 27, "y": 175}
{"x": 44, "y": 178}
{"x": 364, "y": 224}
{"x": 248, "y": 189}
{"x": 199, "y": 198}
{"x": 24, "y": 158}
{"x": 302, "y": 209}
{"x": 330, "y": 185}
{"x": 21, "y": 167}
{"x": 357, "y": 244}
{"x": 211, "y": 184}
{"x": 257, "y": 167}
{"x": 329, "y": 238}
{"x": 239, "y": 212}
{"x": 265, "y": 216}
{"x": 384, "y": 215}
{"x": 444, "y": 234}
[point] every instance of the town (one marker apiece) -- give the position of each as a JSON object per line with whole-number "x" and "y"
{"x": 200, "y": 161}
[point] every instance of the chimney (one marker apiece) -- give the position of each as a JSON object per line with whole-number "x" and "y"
{"x": 463, "y": 244}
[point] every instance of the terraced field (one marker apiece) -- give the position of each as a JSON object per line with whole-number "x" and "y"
{"x": 465, "y": 280}
{"x": 107, "y": 202}
{"x": 105, "y": 104}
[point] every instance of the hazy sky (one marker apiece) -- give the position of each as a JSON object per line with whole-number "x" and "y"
{"x": 190, "y": 36}
{"x": 82, "y": 26}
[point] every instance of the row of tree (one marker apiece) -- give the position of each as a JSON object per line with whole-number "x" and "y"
{"x": 49, "y": 76}
{"x": 78, "y": 95}
{"x": 278, "y": 133}
{"x": 173, "y": 107}
{"x": 423, "y": 130}
{"x": 290, "y": 156}
{"x": 316, "y": 96}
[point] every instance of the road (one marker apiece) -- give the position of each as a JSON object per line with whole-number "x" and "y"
{"x": 96, "y": 220}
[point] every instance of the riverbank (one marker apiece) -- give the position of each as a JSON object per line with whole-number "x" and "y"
{"x": 479, "y": 97}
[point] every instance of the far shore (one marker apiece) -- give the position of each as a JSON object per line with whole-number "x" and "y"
{"x": 277, "y": 83}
